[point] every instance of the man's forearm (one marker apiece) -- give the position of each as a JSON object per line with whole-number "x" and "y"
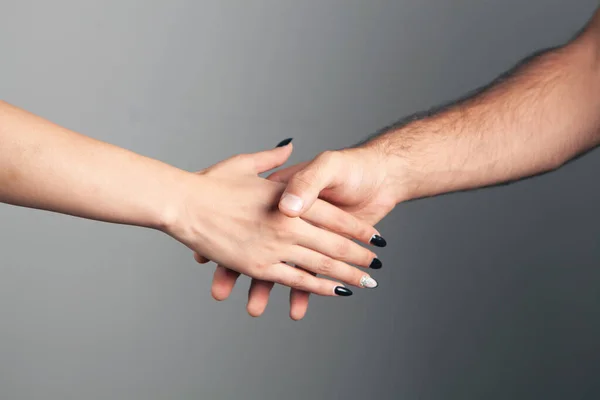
{"x": 531, "y": 120}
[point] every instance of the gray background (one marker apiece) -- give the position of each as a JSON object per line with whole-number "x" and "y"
{"x": 492, "y": 294}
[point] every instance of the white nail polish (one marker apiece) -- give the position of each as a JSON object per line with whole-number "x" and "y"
{"x": 292, "y": 202}
{"x": 367, "y": 282}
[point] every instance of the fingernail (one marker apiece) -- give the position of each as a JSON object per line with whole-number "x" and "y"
{"x": 378, "y": 241}
{"x": 285, "y": 142}
{"x": 292, "y": 202}
{"x": 367, "y": 282}
{"x": 342, "y": 291}
{"x": 376, "y": 264}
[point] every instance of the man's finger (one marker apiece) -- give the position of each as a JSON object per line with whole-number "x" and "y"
{"x": 304, "y": 187}
{"x": 223, "y": 282}
{"x": 200, "y": 259}
{"x": 284, "y": 175}
{"x": 258, "y": 297}
{"x": 299, "y": 302}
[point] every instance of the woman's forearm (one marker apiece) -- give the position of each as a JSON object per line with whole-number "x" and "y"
{"x": 45, "y": 166}
{"x": 225, "y": 212}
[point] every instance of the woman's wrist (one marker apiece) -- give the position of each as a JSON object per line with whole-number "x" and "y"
{"x": 171, "y": 206}
{"x": 187, "y": 212}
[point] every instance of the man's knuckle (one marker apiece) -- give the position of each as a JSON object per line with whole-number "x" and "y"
{"x": 305, "y": 178}
{"x": 286, "y": 230}
{"x": 240, "y": 157}
{"x": 340, "y": 222}
{"x": 328, "y": 157}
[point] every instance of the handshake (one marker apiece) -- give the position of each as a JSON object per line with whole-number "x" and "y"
{"x": 301, "y": 221}
{"x": 297, "y": 225}
{"x": 291, "y": 227}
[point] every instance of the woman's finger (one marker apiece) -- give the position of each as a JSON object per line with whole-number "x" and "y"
{"x": 298, "y": 279}
{"x": 321, "y": 264}
{"x": 336, "y": 220}
{"x": 258, "y": 297}
{"x": 336, "y": 247}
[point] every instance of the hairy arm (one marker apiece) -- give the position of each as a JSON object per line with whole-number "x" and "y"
{"x": 532, "y": 119}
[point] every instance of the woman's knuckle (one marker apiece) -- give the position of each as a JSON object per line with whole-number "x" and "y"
{"x": 356, "y": 277}
{"x": 326, "y": 266}
{"x": 298, "y": 281}
{"x": 365, "y": 232}
{"x": 342, "y": 249}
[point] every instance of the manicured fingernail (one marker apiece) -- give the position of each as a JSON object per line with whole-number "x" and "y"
{"x": 367, "y": 282}
{"x": 291, "y": 202}
{"x": 378, "y": 241}
{"x": 376, "y": 264}
{"x": 342, "y": 291}
{"x": 285, "y": 142}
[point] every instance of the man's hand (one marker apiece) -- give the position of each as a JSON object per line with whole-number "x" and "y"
{"x": 356, "y": 180}
{"x": 530, "y": 120}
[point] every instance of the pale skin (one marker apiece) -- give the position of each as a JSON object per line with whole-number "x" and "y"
{"x": 533, "y": 120}
{"x": 226, "y": 211}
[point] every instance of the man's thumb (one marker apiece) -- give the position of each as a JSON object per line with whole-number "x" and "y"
{"x": 305, "y": 185}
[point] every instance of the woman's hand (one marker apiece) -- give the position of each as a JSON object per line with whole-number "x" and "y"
{"x": 229, "y": 215}
{"x": 226, "y": 212}
{"x": 351, "y": 179}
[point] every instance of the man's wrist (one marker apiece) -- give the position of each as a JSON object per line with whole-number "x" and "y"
{"x": 398, "y": 178}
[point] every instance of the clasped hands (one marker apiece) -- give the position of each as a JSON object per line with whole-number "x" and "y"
{"x": 296, "y": 224}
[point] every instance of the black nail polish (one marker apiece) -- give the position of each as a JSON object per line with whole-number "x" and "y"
{"x": 376, "y": 264}
{"x": 342, "y": 291}
{"x": 378, "y": 241}
{"x": 285, "y": 142}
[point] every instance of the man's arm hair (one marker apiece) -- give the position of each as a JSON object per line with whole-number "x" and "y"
{"x": 531, "y": 119}
{"x": 440, "y": 108}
